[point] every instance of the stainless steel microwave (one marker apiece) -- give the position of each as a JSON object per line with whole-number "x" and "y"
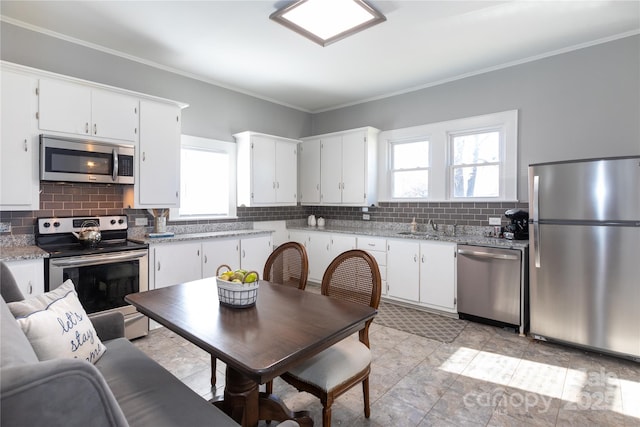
{"x": 77, "y": 160}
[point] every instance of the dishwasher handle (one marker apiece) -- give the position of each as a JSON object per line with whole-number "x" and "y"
{"x": 480, "y": 254}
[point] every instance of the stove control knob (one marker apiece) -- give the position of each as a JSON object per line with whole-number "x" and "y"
{"x": 113, "y": 221}
{"x": 46, "y": 225}
{"x": 121, "y": 221}
{"x": 56, "y": 224}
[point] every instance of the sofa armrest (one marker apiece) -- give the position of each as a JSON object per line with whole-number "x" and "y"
{"x": 108, "y": 326}
{"x": 67, "y": 392}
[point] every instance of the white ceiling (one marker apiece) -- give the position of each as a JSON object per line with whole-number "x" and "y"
{"x": 234, "y": 44}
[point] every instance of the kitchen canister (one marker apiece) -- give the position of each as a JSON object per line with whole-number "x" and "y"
{"x": 160, "y": 224}
{"x": 320, "y": 222}
{"x": 311, "y": 221}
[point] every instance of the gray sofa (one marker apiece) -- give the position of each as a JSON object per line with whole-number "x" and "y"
{"x": 124, "y": 388}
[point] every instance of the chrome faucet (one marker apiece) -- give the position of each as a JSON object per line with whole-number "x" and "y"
{"x": 433, "y": 225}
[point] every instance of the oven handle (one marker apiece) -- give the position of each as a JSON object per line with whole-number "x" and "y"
{"x": 98, "y": 259}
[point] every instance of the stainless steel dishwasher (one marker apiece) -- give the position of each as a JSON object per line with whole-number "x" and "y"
{"x": 489, "y": 283}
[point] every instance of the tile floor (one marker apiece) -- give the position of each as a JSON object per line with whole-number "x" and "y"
{"x": 486, "y": 377}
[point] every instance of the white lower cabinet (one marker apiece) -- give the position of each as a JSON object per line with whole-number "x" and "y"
{"x": 217, "y": 252}
{"x": 422, "y": 273}
{"x": 254, "y": 253}
{"x": 319, "y": 252}
{"x": 175, "y": 262}
{"x": 29, "y": 274}
{"x": 403, "y": 270}
{"x": 438, "y": 275}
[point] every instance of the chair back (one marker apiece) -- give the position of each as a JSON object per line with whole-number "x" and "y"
{"x": 288, "y": 265}
{"x": 354, "y": 276}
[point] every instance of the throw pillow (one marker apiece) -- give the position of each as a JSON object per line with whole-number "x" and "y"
{"x": 57, "y": 325}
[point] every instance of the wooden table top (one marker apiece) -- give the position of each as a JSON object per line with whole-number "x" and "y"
{"x": 284, "y": 327}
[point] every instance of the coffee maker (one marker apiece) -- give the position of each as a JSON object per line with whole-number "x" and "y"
{"x": 519, "y": 227}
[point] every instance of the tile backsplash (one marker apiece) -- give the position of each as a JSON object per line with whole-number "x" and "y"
{"x": 78, "y": 199}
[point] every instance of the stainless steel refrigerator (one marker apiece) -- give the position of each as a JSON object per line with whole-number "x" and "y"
{"x": 584, "y": 232}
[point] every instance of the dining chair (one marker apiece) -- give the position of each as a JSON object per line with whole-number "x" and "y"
{"x": 288, "y": 264}
{"x": 352, "y": 276}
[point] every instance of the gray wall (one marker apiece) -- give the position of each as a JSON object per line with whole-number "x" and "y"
{"x": 582, "y": 104}
{"x": 213, "y": 112}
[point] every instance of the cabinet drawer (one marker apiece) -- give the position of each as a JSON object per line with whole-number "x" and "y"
{"x": 372, "y": 244}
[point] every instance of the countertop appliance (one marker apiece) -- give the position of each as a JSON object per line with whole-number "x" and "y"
{"x": 77, "y": 160}
{"x": 518, "y": 229}
{"x": 584, "y": 266}
{"x": 102, "y": 273}
{"x": 489, "y": 284}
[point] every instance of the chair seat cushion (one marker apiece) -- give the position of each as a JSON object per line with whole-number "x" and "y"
{"x": 334, "y": 365}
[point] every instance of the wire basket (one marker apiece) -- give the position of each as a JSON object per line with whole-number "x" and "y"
{"x": 237, "y": 295}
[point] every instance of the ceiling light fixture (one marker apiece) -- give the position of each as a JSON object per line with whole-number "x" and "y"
{"x": 327, "y": 21}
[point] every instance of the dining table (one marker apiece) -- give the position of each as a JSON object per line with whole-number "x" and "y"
{"x": 286, "y": 326}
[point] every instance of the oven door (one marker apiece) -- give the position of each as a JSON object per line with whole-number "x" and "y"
{"x": 102, "y": 281}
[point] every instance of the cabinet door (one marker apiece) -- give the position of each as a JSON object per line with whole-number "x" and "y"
{"x": 19, "y": 183}
{"x": 340, "y": 244}
{"x": 217, "y": 252}
{"x": 331, "y": 170}
{"x": 114, "y": 115}
{"x": 438, "y": 274}
{"x": 286, "y": 172}
{"x": 64, "y": 107}
{"x": 263, "y": 161}
{"x": 29, "y": 275}
{"x": 310, "y": 172}
{"x": 403, "y": 270}
{"x": 254, "y": 252}
{"x": 299, "y": 236}
{"x": 176, "y": 263}
{"x": 319, "y": 254}
{"x": 159, "y": 155}
{"x": 354, "y": 151}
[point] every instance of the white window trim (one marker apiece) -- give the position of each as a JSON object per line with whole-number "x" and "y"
{"x": 200, "y": 143}
{"x": 440, "y": 173}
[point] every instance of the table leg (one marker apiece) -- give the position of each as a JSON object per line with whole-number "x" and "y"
{"x": 246, "y": 405}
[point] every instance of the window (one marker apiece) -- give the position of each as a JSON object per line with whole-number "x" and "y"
{"x": 475, "y": 164}
{"x": 207, "y": 179}
{"x": 410, "y": 169}
{"x": 473, "y": 158}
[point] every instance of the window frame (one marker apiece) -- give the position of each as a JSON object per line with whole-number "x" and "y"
{"x": 217, "y": 146}
{"x": 440, "y": 156}
{"x": 391, "y": 174}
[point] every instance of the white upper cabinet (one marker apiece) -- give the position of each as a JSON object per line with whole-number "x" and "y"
{"x": 19, "y": 182}
{"x": 82, "y": 110}
{"x": 158, "y": 173}
{"x": 309, "y": 176}
{"x": 114, "y": 115}
{"x": 267, "y": 170}
{"x": 348, "y": 167}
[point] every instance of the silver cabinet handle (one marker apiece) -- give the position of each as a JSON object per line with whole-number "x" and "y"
{"x": 422, "y": 259}
{"x": 86, "y": 127}
{"x": 205, "y": 259}
{"x": 26, "y": 146}
{"x": 243, "y": 253}
{"x": 95, "y": 129}
{"x": 158, "y": 265}
{"x": 144, "y": 156}
{"x": 198, "y": 252}
{"x": 415, "y": 258}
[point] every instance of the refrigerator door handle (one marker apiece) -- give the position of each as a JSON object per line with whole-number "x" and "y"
{"x": 536, "y": 216}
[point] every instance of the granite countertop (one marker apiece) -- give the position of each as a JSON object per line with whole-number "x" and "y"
{"x": 17, "y": 253}
{"x": 199, "y": 236}
{"x": 462, "y": 239}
